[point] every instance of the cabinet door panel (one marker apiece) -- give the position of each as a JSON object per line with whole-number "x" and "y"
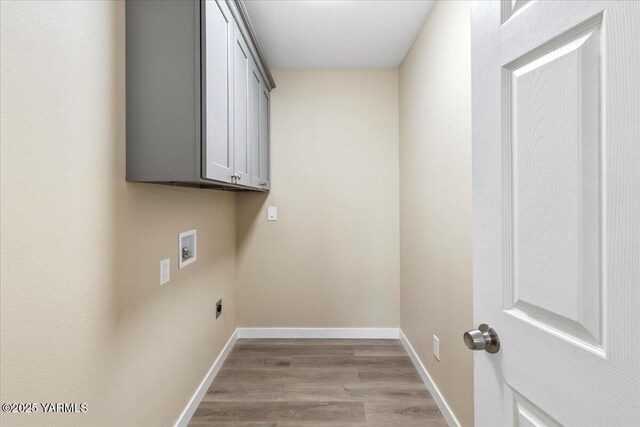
{"x": 241, "y": 70}
{"x": 265, "y": 144}
{"x": 255, "y": 90}
{"x": 217, "y": 134}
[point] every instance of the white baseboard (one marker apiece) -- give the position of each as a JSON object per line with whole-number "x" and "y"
{"x": 355, "y": 333}
{"x": 426, "y": 378}
{"x": 188, "y": 412}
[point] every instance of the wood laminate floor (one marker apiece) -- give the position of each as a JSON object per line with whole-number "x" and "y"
{"x": 321, "y": 382}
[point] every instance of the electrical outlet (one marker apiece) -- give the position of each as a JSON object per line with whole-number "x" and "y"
{"x": 218, "y": 308}
{"x": 165, "y": 270}
{"x": 436, "y": 347}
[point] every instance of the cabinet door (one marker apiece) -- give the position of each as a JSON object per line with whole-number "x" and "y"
{"x": 241, "y": 71}
{"x": 217, "y": 72}
{"x": 255, "y": 91}
{"x": 265, "y": 134}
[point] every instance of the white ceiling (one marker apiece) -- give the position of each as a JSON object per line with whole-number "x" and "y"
{"x": 337, "y": 33}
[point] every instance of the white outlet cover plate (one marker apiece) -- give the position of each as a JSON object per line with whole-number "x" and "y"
{"x": 165, "y": 271}
{"x": 272, "y": 213}
{"x": 436, "y": 347}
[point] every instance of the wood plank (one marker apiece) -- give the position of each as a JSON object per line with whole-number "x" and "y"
{"x": 400, "y": 375}
{"x": 385, "y": 392}
{"x": 378, "y": 350}
{"x": 333, "y": 362}
{"x": 220, "y": 391}
{"x": 423, "y": 413}
{"x": 193, "y": 423}
{"x": 370, "y": 392}
{"x": 316, "y": 341}
{"x": 315, "y": 392}
{"x": 257, "y": 362}
{"x": 288, "y": 350}
{"x": 311, "y": 376}
{"x": 269, "y": 412}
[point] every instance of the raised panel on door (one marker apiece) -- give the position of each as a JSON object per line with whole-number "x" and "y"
{"x": 265, "y": 142}
{"x": 255, "y": 83}
{"x": 217, "y": 133}
{"x": 241, "y": 80}
{"x": 556, "y": 211}
{"x": 552, "y": 107}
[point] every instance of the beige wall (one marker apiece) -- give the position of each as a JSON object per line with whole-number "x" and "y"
{"x": 435, "y": 200}
{"x": 332, "y": 258}
{"x": 84, "y": 318}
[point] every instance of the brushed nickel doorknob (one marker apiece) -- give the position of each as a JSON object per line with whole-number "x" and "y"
{"x": 484, "y": 338}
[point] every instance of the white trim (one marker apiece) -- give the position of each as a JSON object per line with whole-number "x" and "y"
{"x": 354, "y": 333}
{"x": 188, "y": 412}
{"x": 426, "y": 378}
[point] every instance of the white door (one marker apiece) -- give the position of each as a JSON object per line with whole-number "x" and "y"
{"x": 556, "y": 190}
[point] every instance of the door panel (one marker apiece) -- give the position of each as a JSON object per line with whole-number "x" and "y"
{"x": 551, "y": 113}
{"x": 265, "y": 141}
{"x": 556, "y": 101}
{"x": 254, "y": 123}
{"x": 241, "y": 70}
{"x": 217, "y": 39}
{"x": 523, "y": 413}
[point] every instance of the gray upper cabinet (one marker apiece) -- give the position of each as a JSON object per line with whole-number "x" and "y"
{"x": 197, "y": 95}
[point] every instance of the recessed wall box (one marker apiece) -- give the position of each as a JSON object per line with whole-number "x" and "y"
{"x": 187, "y": 248}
